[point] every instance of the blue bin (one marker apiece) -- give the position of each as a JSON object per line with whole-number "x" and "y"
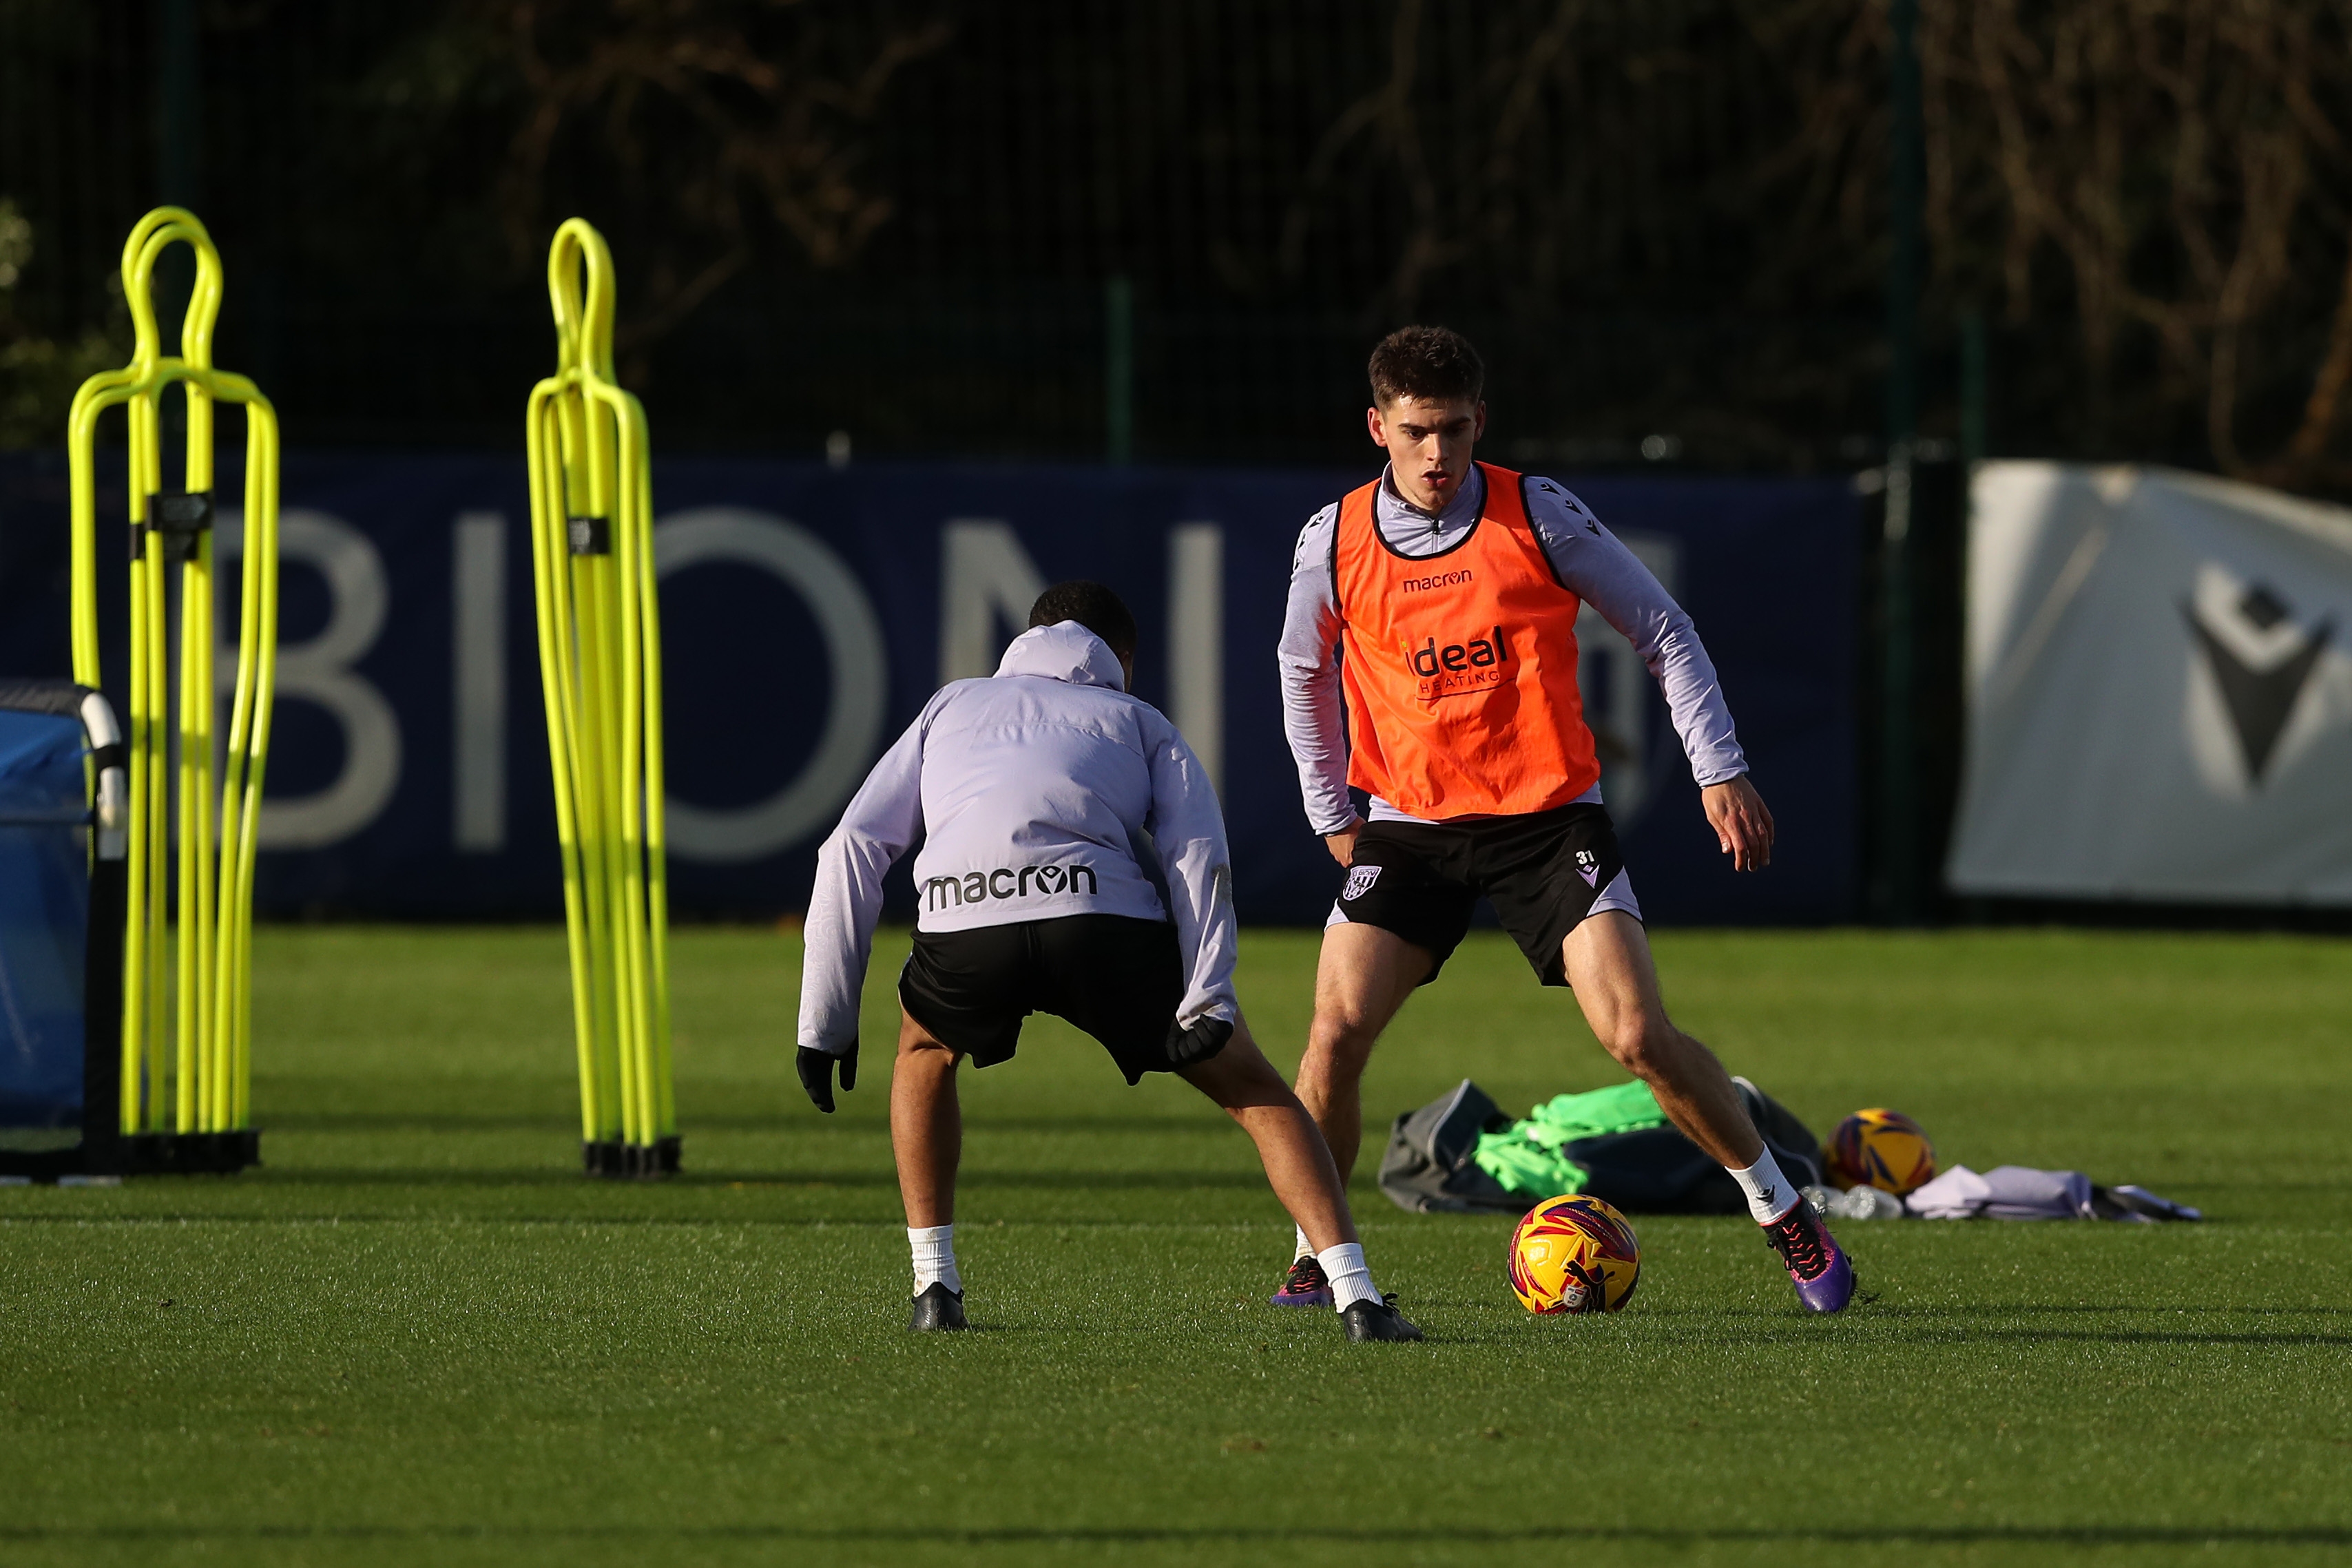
{"x": 57, "y": 1054}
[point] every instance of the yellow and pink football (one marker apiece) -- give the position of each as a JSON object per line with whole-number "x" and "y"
{"x": 1574, "y": 1254}
{"x": 1880, "y": 1148}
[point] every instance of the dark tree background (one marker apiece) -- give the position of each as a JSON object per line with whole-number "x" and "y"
{"x": 906, "y": 219}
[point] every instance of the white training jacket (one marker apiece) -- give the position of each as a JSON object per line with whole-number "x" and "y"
{"x": 1043, "y": 791}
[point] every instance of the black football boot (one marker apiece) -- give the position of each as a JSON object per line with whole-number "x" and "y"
{"x": 938, "y": 1310}
{"x": 1368, "y": 1320}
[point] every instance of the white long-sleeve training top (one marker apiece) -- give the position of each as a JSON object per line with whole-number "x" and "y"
{"x": 1043, "y": 791}
{"x": 1591, "y": 561}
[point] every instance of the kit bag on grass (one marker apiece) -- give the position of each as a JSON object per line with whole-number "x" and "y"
{"x": 1428, "y": 1167}
{"x": 1461, "y": 1155}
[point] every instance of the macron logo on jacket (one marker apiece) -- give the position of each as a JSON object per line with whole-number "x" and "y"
{"x": 977, "y": 887}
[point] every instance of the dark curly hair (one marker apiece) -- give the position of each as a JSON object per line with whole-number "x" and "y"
{"x": 1434, "y": 364}
{"x": 1092, "y": 606}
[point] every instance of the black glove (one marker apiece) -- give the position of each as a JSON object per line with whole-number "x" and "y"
{"x": 816, "y": 1074}
{"x": 1191, "y": 1047}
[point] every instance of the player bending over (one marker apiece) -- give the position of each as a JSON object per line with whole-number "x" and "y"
{"x": 1450, "y": 589}
{"x": 1034, "y": 791}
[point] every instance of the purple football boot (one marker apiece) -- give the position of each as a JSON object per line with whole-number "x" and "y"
{"x": 1305, "y": 1286}
{"x": 1817, "y": 1265}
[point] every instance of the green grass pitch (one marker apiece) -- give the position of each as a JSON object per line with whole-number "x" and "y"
{"x": 418, "y": 1336}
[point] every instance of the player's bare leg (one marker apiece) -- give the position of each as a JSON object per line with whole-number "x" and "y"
{"x": 926, "y": 1126}
{"x": 1608, "y": 962}
{"x": 1297, "y": 1162}
{"x": 1361, "y": 980}
{"x": 926, "y": 1139}
{"x": 1364, "y": 976}
{"x": 1299, "y": 1166}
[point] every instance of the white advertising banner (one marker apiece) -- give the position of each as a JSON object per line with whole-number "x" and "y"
{"x": 2159, "y": 690}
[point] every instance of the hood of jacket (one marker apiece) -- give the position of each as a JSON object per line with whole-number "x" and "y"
{"x": 1065, "y": 651}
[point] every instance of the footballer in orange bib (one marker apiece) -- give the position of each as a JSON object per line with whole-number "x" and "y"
{"x": 1461, "y": 668}
{"x": 1429, "y": 661}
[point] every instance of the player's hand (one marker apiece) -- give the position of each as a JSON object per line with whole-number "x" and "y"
{"x": 816, "y": 1074}
{"x": 1743, "y": 828}
{"x": 1342, "y": 845}
{"x": 1190, "y": 1047}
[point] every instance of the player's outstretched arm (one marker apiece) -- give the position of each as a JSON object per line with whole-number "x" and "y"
{"x": 1314, "y": 720}
{"x": 883, "y": 819}
{"x": 1596, "y": 566}
{"x": 1742, "y": 824}
{"x": 1188, "y": 831}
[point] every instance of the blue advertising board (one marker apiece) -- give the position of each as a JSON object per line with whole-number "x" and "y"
{"x": 809, "y": 612}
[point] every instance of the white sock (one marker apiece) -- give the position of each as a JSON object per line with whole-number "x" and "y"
{"x": 1770, "y": 1195}
{"x": 935, "y": 1264}
{"x": 1305, "y": 1247}
{"x": 1350, "y": 1281}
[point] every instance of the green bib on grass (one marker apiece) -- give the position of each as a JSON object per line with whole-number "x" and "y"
{"x": 1526, "y": 1156}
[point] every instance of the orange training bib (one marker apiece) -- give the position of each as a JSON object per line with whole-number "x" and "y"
{"x": 1461, "y": 667}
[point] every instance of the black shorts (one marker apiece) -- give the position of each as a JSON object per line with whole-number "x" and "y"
{"x": 1543, "y": 871}
{"x": 1119, "y": 979}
